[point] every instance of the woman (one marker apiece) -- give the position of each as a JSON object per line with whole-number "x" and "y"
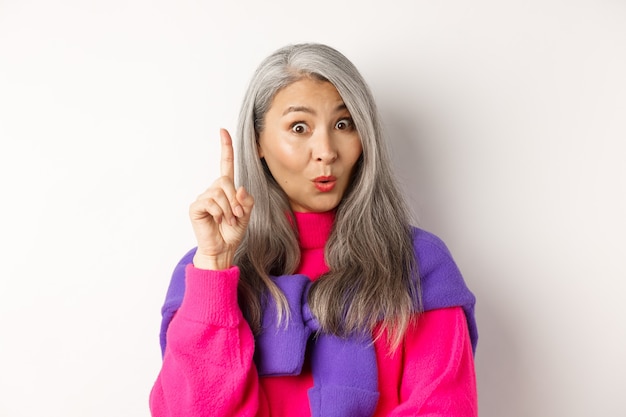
{"x": 309, "y": 293}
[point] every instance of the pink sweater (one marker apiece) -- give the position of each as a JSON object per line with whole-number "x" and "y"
{"x": 208, "y": 367}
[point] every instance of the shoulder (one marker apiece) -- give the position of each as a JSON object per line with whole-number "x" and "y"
{"x": 176, "y": 288}
{"x": 440, "y": 280}
{"x": 185, "y": 260}
{"x": 430, "y": 250}
{"x": 175, "y": 294}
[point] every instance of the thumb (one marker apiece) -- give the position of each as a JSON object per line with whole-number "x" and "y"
{"x": 246, "y": 200}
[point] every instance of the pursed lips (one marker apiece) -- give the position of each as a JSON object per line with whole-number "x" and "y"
{"x": 325, "y": 183}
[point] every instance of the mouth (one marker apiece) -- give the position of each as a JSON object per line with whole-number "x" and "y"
{"x": 325, "y": 183}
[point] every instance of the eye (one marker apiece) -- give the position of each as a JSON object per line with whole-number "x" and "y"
{"x": 344, "y": 124}
{"x": 299, "y": 128}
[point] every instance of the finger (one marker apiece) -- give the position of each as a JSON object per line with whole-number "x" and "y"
{"x": 228, "y": 187}
{"x": 226, "y": 205}
{"x": 227, "y": 164}
{"x": 215, "y": 203}
{"x": 246, "y": 200}
{"x": 203, "y": 209}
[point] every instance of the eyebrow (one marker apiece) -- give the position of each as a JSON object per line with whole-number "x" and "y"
{"x": 304, "y": 109}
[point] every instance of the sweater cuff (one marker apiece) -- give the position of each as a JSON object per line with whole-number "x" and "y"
{"x": 211, "y": 296}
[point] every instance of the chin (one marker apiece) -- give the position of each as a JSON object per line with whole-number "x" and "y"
{"x": 317, "y": 208}
{"x": 324, "y": 207}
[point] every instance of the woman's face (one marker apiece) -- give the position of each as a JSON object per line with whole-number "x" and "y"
{"x": 310, "y": 144}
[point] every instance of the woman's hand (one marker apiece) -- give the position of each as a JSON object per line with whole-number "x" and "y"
{"x": 220, "y": 215}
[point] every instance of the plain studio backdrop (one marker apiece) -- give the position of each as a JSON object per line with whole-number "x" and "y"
{"x": 507, "y": 127}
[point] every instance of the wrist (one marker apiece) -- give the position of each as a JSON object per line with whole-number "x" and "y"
{"x": 213, "y": 262}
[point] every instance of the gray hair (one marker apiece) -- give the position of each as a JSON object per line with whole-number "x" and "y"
{"x": 369, "y": 251}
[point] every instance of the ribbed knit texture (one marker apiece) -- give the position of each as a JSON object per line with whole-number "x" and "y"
{"x": 209, "y": 293}
{"x": 208, "y": 367}
{"x": 313, "y": 232}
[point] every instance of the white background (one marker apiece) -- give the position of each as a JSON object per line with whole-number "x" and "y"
{"x": 508, "y": 125}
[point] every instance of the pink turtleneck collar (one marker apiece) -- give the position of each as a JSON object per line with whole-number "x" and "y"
{"x": 313, "y": 232}
{"x": 314, "y": 228}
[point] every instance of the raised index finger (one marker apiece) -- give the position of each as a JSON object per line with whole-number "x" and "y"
{"x": 227, "y": 162}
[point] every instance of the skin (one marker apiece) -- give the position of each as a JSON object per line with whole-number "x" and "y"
{"x": 308, "y": 134}
{"x": 220, "y": 215}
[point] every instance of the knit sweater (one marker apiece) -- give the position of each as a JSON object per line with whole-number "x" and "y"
{"x": 209, "y": 363}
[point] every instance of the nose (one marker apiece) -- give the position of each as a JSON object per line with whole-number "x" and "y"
{"x": 324, "y": 149}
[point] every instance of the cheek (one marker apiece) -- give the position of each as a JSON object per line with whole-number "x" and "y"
{"x": 354, "y": 151}
{"x": 291, "y": 153}
{"x": 283, "y": 158}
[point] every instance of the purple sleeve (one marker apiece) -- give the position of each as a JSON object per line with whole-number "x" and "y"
{"x": 442, "y": 284}
{"x": 174, "y": 297}
{"x": 344, "y": 369}
{"x": 280, "y": 348}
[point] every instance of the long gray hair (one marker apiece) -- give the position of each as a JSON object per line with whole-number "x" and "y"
{"x": 369, "y": 252}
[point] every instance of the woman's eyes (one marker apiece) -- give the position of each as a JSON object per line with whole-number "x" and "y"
{"x": 300, "y": 128}
{"x": 344, "y": 124}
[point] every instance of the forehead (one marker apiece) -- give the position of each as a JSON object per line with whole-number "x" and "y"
{"x": 307, "y": 93}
